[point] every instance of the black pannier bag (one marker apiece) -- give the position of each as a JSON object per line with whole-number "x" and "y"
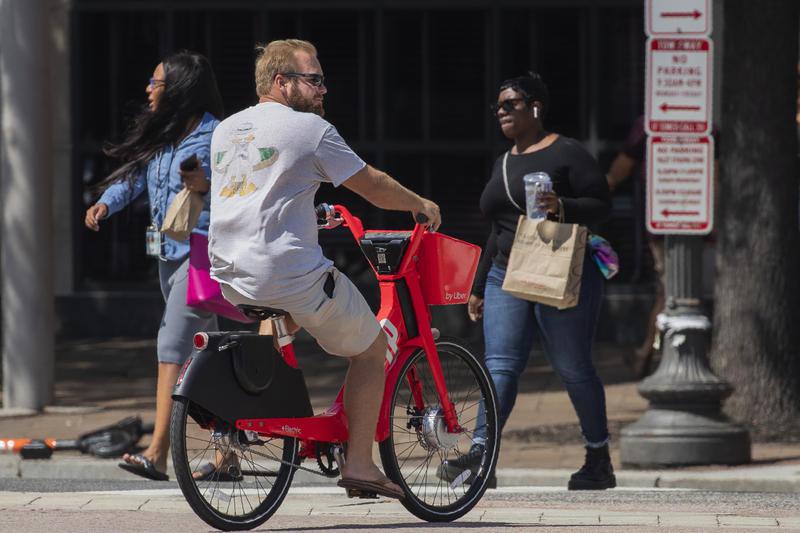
{"x": 240, "y": 375}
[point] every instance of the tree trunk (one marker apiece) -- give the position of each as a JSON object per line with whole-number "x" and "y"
{"x": 756, "y": 341}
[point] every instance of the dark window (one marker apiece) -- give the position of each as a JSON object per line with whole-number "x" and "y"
{"x": 339, "y": 54}
{"x": 191, "y": 31}
{"x": 408, "y": 90}
{"x": 620, "y": 73}
{"x": 232, "y": 54}
{"x": 108, "y": 95}
{"x": 558, "y": 59}
{"x": 402, "y": 67}
{"x": 457, "y": 53}
{"x": 457, "y": 181}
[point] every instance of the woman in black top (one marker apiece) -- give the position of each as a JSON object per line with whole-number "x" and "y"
{"x": 580, "y": 194}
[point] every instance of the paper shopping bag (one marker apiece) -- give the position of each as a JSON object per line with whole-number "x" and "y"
{"x": 182, "y": 214}
{"x": 546, "y": 262}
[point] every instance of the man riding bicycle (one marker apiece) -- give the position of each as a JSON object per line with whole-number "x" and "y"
{"x": 268, "y": 162}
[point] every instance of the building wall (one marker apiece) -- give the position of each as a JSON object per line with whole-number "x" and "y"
{"x": 410, "y": 84}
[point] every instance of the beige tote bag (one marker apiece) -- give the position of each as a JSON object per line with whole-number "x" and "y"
{"x": 546, "y": 262}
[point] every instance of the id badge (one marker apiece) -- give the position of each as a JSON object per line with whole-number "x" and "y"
{"x": 152, "y": 240}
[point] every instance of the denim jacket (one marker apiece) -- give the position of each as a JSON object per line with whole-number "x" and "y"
{"x": 163, "y": 183}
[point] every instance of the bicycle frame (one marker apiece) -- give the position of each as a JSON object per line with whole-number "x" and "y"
{"x": 405, "y": 318}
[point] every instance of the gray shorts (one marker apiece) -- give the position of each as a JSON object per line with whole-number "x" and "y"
{"x": 342, "y": 325}
{"x": 179, "y": 322}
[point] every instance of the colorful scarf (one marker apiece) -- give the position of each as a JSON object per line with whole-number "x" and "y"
{"x": 604, "y": 256}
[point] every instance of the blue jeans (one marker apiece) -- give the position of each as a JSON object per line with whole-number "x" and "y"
{"x": 510, "y": 326}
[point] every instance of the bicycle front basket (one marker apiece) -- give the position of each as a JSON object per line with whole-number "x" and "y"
{"x": 446, "y": 269}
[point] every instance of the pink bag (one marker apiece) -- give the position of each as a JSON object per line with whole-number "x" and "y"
{"x": 202, "y": 291}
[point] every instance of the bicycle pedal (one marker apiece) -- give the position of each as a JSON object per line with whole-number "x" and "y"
{"x": 358, "y": 493}
{"x": 338, "y": 456}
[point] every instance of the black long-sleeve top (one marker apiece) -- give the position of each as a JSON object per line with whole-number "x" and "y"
{"x": 577, "y": 181}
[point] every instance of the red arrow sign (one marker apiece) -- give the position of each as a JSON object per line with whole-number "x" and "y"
{"x": 695, "y": 14}
{"x": 670, "y": 17}
{"x": 667, "y": 213}
{"x": 666, "y": 107}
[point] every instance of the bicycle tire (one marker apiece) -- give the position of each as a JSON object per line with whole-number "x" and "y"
{"x": 190, "y": 453}
{"x": 410, "y": 434}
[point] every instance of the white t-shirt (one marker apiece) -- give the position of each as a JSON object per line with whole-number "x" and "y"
{"x": 267, "y": 163}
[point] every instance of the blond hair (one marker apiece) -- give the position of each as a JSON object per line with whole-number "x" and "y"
{"x": 275, "y": 58}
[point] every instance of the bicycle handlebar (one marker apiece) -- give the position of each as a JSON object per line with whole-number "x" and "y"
{"x": 331, "y": 216}
{"x": 327, "y": 213}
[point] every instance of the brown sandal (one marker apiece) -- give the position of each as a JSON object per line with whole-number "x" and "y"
{"x": 361, "y": 488}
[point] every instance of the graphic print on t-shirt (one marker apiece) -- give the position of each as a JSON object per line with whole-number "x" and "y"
{"x": 237, "y": 165}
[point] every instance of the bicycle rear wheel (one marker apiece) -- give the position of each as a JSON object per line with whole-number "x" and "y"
{"x": 419, "y": 443}
{"x": 251, "y": 482}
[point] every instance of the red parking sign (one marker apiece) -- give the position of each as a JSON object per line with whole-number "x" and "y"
{"x": 678, "y": 95}
{"x": 680, "y": 187}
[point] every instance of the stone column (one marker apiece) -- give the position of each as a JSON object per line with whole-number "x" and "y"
{"x": 684, "y": 424}
{"x": 65, "y": 186}
{"x": 26, "y": 206}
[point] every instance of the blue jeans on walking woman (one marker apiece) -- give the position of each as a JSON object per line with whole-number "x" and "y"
{"x": 510, "y": 326}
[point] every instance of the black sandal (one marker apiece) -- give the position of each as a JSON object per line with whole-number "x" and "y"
{"x": 361, "y": 488}
{"x": 142, "y": 466}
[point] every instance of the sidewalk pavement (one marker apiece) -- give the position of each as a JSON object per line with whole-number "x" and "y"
{"x": 315, "y": 509}
{"x": 99, "y": 382}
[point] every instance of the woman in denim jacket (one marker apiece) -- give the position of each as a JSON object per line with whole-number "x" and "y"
{"x": 184, "y": 107}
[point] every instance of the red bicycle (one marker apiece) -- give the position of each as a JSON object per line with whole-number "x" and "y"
{"x": 242, "y": 422}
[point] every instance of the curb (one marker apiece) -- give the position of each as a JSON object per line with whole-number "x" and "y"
{"x": 83, "y": 468}
{"x": 751, "y": 479}
{"x": 784, "y": 478}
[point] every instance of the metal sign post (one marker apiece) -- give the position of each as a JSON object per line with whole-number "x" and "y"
{"x": 684, "y": 424}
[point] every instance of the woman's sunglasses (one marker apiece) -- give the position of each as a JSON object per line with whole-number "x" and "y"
{"x": 507, "y": 105}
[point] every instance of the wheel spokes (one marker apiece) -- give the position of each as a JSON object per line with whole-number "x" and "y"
{"x": 419, "y": 438}
{"x": 243, "y": 478}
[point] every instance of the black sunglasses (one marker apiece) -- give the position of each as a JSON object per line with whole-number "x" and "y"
{"x": 317, "y": 80}
{"x": 507, "y": 105}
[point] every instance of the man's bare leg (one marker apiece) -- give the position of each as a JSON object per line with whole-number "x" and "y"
{"x": 363, "y": 393}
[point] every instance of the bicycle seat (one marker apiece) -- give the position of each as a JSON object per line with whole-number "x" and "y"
{"x": 259, "y": 312}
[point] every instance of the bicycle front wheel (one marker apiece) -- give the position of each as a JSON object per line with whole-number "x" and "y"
{"x": 419, "y": 445}
{"x": 232, "y": 479}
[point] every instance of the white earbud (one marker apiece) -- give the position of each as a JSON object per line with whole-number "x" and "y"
{"x": 535, "y": 112}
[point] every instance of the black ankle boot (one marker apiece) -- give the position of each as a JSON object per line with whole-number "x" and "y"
{"x": 452, "y": 468}
{"x": 596, "y": 472}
